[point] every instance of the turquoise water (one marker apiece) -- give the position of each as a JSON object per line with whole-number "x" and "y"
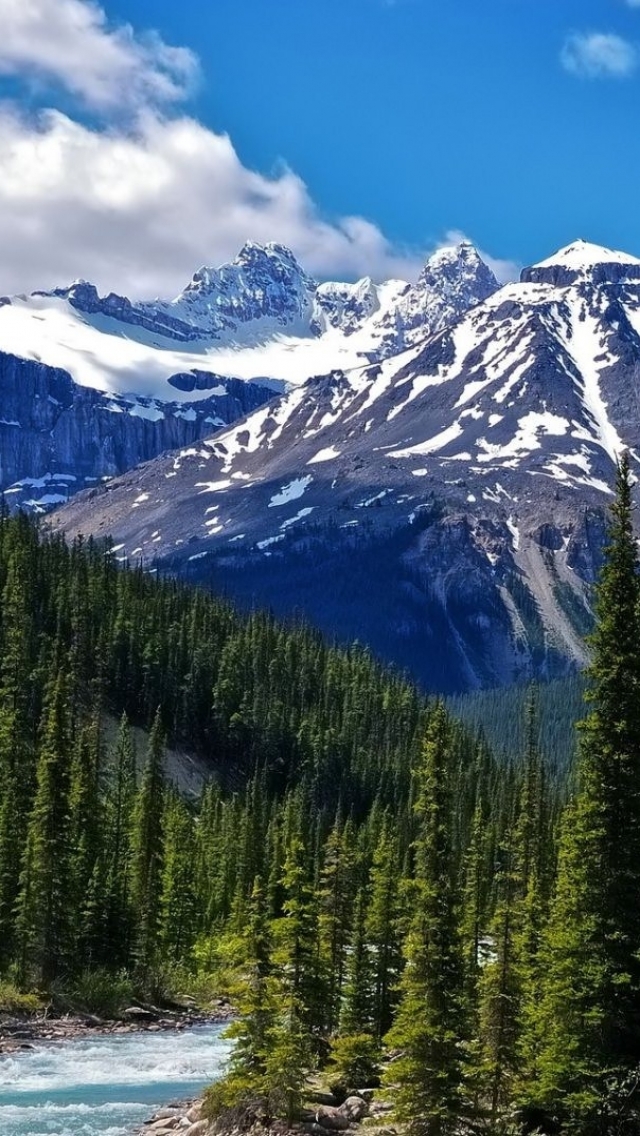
{"x": 105, "y": 1086}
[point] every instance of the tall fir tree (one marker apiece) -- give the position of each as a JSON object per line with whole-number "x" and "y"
{"x": 147, "y": 856}
{"x": 430, "y": 1028}
{"x": 589, "y": 1024}
{"x": 43, "y": 910}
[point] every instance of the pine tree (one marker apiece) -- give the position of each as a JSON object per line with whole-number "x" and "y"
{"x": 147, "y": 855}
{"x": 84, "y": 844}
{"x": 499, "y": 994}
{"x": 357, "y": 1008}
{"x": 335, "y": 901}
{"x": 177, "y": 896}
{"x": 43, "y": 913}
{"x": 589, "y": 1024}
{"x": 381, "y": 930}
{"x": 429, "y": 1029}
{"x": 245, "y": 1082}
{"x": 117, "y": 848}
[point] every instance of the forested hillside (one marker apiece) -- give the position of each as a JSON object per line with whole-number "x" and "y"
{"x": 500, "y": 716}
{"x": 299, "y": 735}
{"x": 384, "y": 896}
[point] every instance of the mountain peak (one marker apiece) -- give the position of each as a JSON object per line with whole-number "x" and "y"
{"x": 582, "y": 259}
{"x": 460, "y": 268}
{"x": 253, "y": 252}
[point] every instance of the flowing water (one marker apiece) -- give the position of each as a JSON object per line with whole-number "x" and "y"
{"x": 105, "y": 1086}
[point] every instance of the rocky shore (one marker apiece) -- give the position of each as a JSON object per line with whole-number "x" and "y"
{"x": 23, "y": 1032}
{"x": 359, "y": 1111}
{"x": 185, "y": 1118}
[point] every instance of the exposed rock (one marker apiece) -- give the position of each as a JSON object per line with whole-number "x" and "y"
{"x": 138, "y": 1013}
{"x": 333, "y": 1118}
{"x": 57, "y": 437}
{"x": 354, "y": 1108}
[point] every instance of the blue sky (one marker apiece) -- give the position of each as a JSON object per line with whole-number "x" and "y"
{"x": 514, "y": 122}
{"x": 428, "y": 116}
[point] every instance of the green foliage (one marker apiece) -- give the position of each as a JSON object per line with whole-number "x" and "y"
{"x": 354, "y": 1063}
{"x": 96, "y": 991}
{"x": 589, "y": 1022}
{"x": 16, "y": 1001}
{"x": 430, "y": 1025}
{"x": 359, "y": 866}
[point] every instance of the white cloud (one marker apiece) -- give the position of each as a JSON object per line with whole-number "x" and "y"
{"x": 596, "y": 55}
{"x": 137, "y": 204}
{"x": 139, "y": 210}
{"x": 70, "y": 43}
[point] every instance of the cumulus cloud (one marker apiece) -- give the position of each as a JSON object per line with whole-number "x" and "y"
{"x": 597, "y": 55}
{"x": 139, "y": 201}
{"x": 139, "y": 210}
{"x": 69, "y": 43}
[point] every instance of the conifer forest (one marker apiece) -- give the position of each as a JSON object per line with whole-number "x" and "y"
{"x": 388, "y": 900}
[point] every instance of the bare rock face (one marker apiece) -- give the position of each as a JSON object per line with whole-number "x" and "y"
{"x": 57, "y": 437}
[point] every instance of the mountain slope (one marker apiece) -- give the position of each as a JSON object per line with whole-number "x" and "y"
{"x": 173, "y": 372}
{"x": 473, "y": 470}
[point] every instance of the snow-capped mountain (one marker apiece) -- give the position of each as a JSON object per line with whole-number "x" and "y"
{"x": 173, "y": 370}
{"x": 260, "y": 317}
{"x": 465, "y": 479}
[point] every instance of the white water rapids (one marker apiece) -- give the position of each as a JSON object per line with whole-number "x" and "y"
{"x": 105, "y": 1085}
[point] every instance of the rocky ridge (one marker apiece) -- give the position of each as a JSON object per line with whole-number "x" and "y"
{"x": 92, "y": 386}
{"x": 470, "y": 474}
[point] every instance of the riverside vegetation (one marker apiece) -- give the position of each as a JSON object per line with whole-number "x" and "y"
{"x": 383, "y": 898}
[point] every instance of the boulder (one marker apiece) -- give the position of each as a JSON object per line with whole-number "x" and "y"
{"x": 137, "y": 1013}
{"x": 354, "y": 1109}
{"x": 198, "y": 1129}
{"x": 331, "y": 1118}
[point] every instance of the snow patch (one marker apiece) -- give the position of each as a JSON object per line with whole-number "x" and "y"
{"x": 290, "y": 492}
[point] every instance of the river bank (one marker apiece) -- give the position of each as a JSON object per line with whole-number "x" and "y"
{"x": 24, "y": 1031}
{"x": 323, "y": 1116}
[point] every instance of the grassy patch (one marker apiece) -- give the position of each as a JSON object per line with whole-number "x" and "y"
{"x": 14, "y": 1001}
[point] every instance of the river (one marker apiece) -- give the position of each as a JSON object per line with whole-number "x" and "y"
{"x": 105, "y": 1085}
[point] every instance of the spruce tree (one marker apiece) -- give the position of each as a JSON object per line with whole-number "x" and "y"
{"x": 429, "y": 1030}
{"x": 118, "y": 812}
{"x": 381, "y": 930}
{"x": 43, "y": 911}
{"x": 147, "y": 856}
{"x": 177, "y": 896}
{"x": 589, "y": 1024}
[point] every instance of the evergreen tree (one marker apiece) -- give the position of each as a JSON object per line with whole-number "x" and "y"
{"x": 117, "y": 848}
{"x": 382, "y": 930}
{"x": 589, "y": 1023}
{"x": 43, "y": 912}
{"x": 429, "y": 1030}
{"x": 147, "y": 855}
{"x": 177, "y": 896}
{"x": 357, "y": 1013}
